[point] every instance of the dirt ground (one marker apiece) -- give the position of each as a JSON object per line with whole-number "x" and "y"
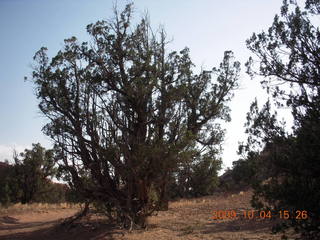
{"x": 186, "y": 219}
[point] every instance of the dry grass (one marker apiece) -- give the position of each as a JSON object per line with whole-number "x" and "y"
{"x": 191, "y": 219}
{"x": 35, "y": 207}
{"x": 185, "y": 219}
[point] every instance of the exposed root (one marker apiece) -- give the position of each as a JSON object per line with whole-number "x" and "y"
{"x": 69, "y": 221}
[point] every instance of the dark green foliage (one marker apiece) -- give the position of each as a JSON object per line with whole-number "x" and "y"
{"x": 54, "y": 193}
{"x": 124, "y": 114}
{"x": 287, "y": 174}
{"x": 28, "y": 180}
{"x": 5, "y": 191}
{"x": 204, "y": 179}
{"x": 4, "y": 186}
{"x": 31, "y": 169}
{"x": 289, "y": 55}
{"x": 196, "y": 178}
{"x": 244, "y": 170}
{"x": 10, "y": 191}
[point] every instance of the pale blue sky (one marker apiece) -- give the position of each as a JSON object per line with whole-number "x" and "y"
{"x": 207, "y": 27}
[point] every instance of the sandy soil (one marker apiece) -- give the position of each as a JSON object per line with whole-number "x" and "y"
{"x": 186, "y": 219}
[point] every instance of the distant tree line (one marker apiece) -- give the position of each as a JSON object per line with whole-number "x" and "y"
{"x": 29, "y": 179}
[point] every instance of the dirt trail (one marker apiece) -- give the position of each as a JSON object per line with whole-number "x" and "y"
{"x": 186, "y": 219}
{"x": 29, "y": 224}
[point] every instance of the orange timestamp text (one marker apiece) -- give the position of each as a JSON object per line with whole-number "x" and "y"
{"x": 252, "y": 214}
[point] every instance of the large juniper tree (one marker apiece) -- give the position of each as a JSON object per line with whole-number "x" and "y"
{"x": 289, "y": 60}
{"x": 124, "y": 113}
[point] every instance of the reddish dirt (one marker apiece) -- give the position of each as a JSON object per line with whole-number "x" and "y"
{"x": 186, "y": 219}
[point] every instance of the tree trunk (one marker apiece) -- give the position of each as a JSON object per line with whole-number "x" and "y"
{"x": 80, "y": 215}
{"x": 164, "y": 199}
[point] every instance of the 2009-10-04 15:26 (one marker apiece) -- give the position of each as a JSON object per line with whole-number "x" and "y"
{"x": 251, "y": 214}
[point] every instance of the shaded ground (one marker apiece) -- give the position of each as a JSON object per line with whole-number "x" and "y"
{"x": 186, "y": 219}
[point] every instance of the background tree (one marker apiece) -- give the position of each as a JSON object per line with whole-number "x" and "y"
{"x": 204, "y": 179}
{"x": 5, "y": 190}
{"x": 288, "y": 55}
{"x": 29, "y": 178}
{"x": 31, "y": 170}
{"x": 244, "y": 170}
{"x": 124, "y": 113}
{"x": 195, "y": 178}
